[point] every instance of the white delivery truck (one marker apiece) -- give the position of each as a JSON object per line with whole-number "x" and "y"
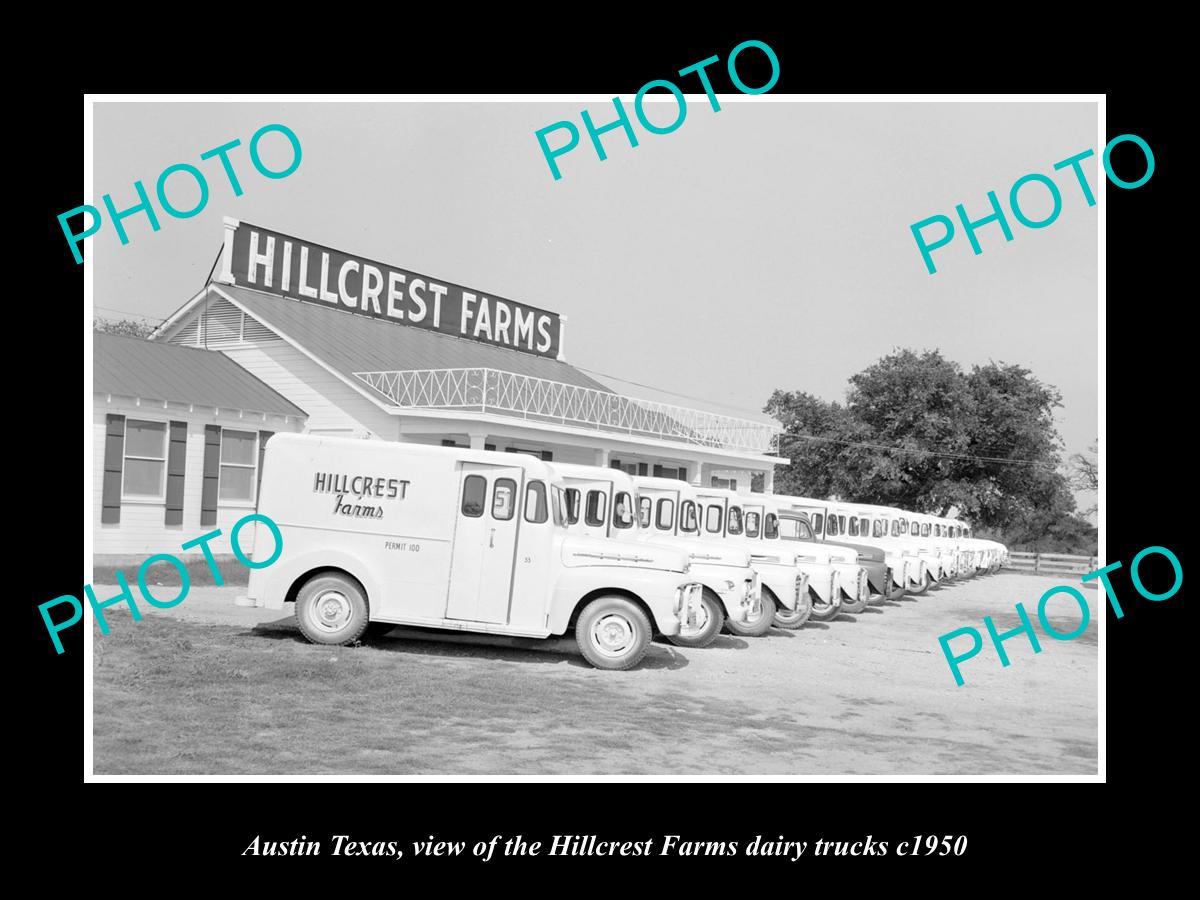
{"x": 450, "y": 538}
{"x": 833, "y": 581}
{"x": 604, "y": 502}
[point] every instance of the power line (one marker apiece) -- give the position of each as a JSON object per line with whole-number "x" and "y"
{"x": 938, "y": 453}
{"x": 128, "y": 312}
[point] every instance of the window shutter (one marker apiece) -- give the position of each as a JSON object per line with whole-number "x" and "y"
{"x": 548, "y": 455}
{"x": 114, "y": 446}
{"x": 643, "y": 468}
{"x": 176, "y": 462}
{"x": 262, "y": 450}
{"x": 448, "y": 442}
{"x": 682, "y": 473}
{"x": 614, "y": 464}
{"x": 212, "y": 472}
{"x": 489, "y": 446}
{"x": 658, "y": 471}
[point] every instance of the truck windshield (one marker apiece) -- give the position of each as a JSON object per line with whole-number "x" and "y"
{"x": 752, "y": 519}
{"x": 687, "y": 517}
{"x": 558, "y": 508}
{"x": 571, "y": 505}
{"x": 623, "y": 510}
{"x": 795, "y": 528}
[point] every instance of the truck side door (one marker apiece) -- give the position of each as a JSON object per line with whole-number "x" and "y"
{"x": 485, "y": 542}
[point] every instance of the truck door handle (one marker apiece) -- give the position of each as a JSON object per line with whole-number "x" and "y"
{"x": 492, "y": 538}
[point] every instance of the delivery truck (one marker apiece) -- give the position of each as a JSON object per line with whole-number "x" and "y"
{"x": 453, "y": 538}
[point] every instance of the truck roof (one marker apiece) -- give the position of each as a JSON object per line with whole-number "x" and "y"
{"x": 308, "y": 442}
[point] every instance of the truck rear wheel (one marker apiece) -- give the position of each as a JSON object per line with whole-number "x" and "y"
{"x": 331, "y": 608}
{"x": 758, "y": 625}
{"x": 710, "y": 618}
{"x": 613, "y": 633}
{"x": 792, "y": 619}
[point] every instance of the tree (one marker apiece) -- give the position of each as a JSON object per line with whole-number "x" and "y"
{"x": 1084, "y": 472}
{"x": 919, "y": 433}
{"x": 128, "y": 327}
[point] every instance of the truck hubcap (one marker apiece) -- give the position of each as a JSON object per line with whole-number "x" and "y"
{"x": 331, "y": 611}
{"x": 612, "y": 634}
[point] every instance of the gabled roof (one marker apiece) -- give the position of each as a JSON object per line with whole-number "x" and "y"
{"x": 351, "y": 343}
{"x": 156, "y": 370}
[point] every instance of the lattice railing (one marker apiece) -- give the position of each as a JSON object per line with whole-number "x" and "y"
{"x": 537, "y": 399}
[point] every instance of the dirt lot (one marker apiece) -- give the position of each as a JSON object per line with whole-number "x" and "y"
{"x": 210, "y": 688}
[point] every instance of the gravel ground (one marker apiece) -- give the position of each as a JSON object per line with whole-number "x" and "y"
{"x": 867, "y": 694}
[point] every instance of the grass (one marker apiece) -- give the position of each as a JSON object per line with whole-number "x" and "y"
{"x": 232, "y": 571}
{"x": 172, "y": 697}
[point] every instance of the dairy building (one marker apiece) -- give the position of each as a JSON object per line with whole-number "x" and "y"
{"x": 365, "y": 349}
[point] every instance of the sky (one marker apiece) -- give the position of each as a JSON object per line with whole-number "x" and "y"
{"x": 764, "y": 246}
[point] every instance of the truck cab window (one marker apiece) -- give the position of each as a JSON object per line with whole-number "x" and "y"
{"x": 864, "y": 526}
{"x": 594, "y": 512}
{"x": 571, "y": 504}
{"x": 558, "y": 506}
{"x": 734, "y": 525}
{"x": 645, "y": 507}
{"x": 504, "y": 495}
{"x": 770, "y": 527}
{"x": 474, "y": 496}
{"x": 831, "y": 527}
{"x": 687, "y": 517}
{"x": 623, "y": 510}
{"x": 712, "y": 519}
{"x": 535, "y": 502}
{"x": 752, "y": 520}
{"x": 664, "y": 519}
{"x": 818, "y": 522}
{"x": 879, "y": 528}
{"x": 925, "y": 530}
{"x": 853, "y": 527}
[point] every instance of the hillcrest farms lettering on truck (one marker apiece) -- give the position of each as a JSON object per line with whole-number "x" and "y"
{"x": 360, "y": 486}
{"x": 269, "y": 261}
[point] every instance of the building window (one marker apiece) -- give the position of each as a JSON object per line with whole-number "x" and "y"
{"x": 239, "y": 458}
{"x": 145, "y": 460}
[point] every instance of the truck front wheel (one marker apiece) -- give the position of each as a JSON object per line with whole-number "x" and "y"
{"x": 613, "y": 633}
{"x": 792, "y": 619}
{"x": 331, "y": 608}
{"x": 710, "y": 617}
{"x": 821, "y": 611}
{"x": 756, "y": 626}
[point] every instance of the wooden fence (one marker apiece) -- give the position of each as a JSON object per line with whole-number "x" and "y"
{"x": 1051, "y": 563}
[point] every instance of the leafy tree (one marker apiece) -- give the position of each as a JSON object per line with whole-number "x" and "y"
{"x": 919, "y": 433}
{"x": 128, "y": 327}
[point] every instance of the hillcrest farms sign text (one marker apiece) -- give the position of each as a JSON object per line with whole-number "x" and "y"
{"x": 266, "y": 260}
